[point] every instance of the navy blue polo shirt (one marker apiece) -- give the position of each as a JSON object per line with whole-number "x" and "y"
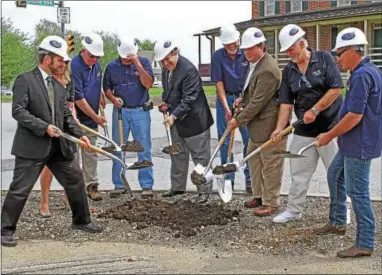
{"x": 124, "y": 81}
{"x": 230, "y": 71}
{"x": 87, "y": 82}
{"x": 363, "y": 96}
{"x": 321, "y": 75}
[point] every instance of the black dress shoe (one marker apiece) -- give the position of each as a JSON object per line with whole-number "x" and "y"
{"x": 172, "y": 193}
{"x": 202, "y": 198}
{"x": 8, "y": 241}
{"x": 90, "y": 227}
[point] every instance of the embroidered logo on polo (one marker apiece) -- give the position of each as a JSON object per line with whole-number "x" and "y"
{"x": 55, "y": 44}
{"x": 258, "y": 34}
{"x": 88, "y": 40}
{"x": 348, "y": 36}
{"x": 167, "y": 44}
{"x": 293, "y": 31}
{"x": 244, "y": 64}
{"x": 317, "y": 73}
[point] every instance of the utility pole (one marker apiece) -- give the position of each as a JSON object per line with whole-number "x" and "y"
{"x": 61, "y": 5}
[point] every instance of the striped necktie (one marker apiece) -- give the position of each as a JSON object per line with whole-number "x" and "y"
{"x": 51, "y": 97}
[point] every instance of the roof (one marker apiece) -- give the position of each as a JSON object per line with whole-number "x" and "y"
{"x": 306, "y": 16}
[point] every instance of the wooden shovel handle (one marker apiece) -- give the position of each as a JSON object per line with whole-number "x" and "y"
{"x": 120, "y": 126}
{"x": 87, "y": 129}
{"x": 230, "y": 146}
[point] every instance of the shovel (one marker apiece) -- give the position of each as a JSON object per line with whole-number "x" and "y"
{"x": 225, "y": 186}
{"x": 116, "y": 147}
{"x": 171, "y": 149}
{"x": 236, "y": 166}
{"x": 201, "y": 174}
{"x": 288, "y": 154}
{"x": 105, "y": 129}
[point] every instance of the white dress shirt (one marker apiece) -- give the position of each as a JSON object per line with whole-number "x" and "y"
{"x": 252, "y": 67}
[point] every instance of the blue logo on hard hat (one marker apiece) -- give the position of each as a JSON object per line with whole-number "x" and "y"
{"x": 88, "y": 40}
{"x": 55, "y": 44}
{"x": 258, "y": 34}
{"x": 348, "y": 36}
{"x": 167, "y": 44}
{"x": 293, "y": 31}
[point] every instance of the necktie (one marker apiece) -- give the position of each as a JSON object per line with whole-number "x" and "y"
{"x": 51, "y": 97}
{"x": 169, "y": 79}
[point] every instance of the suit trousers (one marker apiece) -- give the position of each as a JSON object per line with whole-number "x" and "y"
{"x": 89, "y": 161}
{"x": 266, "y": 172}
{"x": 26, "y": 173}
{"x": 200, "y": 148}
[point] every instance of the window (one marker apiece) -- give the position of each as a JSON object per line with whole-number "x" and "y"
{"x": 343, "y": 3}
{"x": 270, "y": 36}
{"x": 270, "y": 7}
{"x": 296, "y": 5}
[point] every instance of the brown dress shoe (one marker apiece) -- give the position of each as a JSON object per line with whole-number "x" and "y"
{"x": 264, "y": 211}
{"x": 93, "y": 192}
{"x": 253, "y": 203}
{"x": 330, "y": 229}
{"x": 354, "y": 252}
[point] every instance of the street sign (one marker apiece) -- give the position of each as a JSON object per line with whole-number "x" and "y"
{"x": 41, "y": 3}
{"x": 63, "y": 15}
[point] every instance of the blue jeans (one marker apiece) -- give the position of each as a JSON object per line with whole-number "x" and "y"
{"x": 138, "y": 122}
{"x": 221, "y": 126}
{"x": 347, "y": 175}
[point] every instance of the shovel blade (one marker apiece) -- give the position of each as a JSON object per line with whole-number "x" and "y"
{"x": 224, "y": 189}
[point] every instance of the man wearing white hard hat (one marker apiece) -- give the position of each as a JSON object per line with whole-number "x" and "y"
{"x": 87, "y": 76}
{"x": 359, "y": 132}
{"x": 311, "y": 85}
{"x": 39, "y": 107}
{"x": 126, "y": 83}
{"x": 190, "y": 116}
{"x": 260, "y": 113}
{"x": 228, "y": 68}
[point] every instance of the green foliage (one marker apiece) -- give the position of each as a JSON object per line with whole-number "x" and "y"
{"x": 145, "y": 45}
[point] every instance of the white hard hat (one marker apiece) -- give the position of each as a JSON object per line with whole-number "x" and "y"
{"x": 229, "y": 34}
{"x": 350, "y": 37}
{"x": 56, "y": 45}
{"x": 251, "y": 37}
{"x": 289, "y": 35}
{"x": 127, "y": 45}
{"x": 162, "y": 49}
{"x": 93, "y": 43}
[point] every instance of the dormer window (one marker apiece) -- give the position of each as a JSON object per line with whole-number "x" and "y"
{"x": 270, "y": 6}
{"x": 296, "y": 5}
{"x": 343, "y": 3}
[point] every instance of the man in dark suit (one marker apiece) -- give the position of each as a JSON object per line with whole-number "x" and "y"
{"x": 183, "y": 97}
{"x": 39, "y": 106}
{"x": 260, "y": 114}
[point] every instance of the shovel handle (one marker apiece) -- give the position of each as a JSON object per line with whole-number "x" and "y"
{"x": 87, "y": 129}
{"x": 120, "y": 126}
{"x": 230, "y": 146}
{"x": 165, "y": 117}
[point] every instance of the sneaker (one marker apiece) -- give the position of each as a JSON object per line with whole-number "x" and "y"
{"x": 286, "y": 217}
{"x": 93, "y": 193}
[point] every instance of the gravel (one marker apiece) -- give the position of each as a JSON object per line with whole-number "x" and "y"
{"x": 226, "y": 227}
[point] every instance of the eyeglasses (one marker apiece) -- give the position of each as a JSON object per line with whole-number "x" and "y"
{"x": 335, "y": 54}
{"x": 306, "y": 81}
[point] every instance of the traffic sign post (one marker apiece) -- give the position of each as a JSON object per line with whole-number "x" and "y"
{"x": 63, "y": 15}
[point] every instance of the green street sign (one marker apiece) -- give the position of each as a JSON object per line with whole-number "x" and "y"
{"x": 41, "y": 3}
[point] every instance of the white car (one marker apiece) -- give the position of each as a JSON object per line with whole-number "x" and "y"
{"x": 7, "y": 92}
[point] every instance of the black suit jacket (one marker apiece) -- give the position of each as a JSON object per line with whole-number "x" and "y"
{"x": 32, "y": 110}
{"x": 186, "y": 99}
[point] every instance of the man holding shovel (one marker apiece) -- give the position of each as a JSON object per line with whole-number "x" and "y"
{"x": 126, "y": 83}
{"x": 311, "y": 85}
{"x": 228, "y": 68}
{"x": 86, "y": 76}
{"x": 260, "y": 115}
{"x": 190, "y": 116}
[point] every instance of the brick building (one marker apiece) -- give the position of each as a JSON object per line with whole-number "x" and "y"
{"x": 321, "y": 20}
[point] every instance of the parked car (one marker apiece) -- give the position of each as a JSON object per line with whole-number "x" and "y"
{"x": 6, "y": 92}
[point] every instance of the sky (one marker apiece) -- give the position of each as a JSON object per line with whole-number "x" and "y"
{"x": 154, "y": 20}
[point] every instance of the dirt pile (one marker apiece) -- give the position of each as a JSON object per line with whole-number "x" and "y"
{"x": 184, "y": 217}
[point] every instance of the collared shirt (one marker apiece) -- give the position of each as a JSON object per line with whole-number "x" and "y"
{"x": 363, "y": 96}
{"x": 304, "y": 91}
{"x": 125, "y": 83}
{"x": 87, "y": 82}
{"x": 252, "y": 67}
{"x": 230, "y": 71}
{"x": 44, "y": 76}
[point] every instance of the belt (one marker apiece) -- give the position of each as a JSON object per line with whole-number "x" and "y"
{"x": 235, "y": 94}
{"x": 131, "y": 107}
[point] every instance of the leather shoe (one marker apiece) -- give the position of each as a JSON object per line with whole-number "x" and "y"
{"x": 172, "y": 193}
{"x": 253, "y": 203}
{"x": 202, "y": 198}
{"x": 90, "y": 227}
{"x": 354, "y": 252}
{"x": 264, "y": 211}
{"x": 8, "y": 241}
{"x": 330, "y": 229}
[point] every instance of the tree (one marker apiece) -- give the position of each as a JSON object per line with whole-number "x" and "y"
{"x": 16, "y": 54}
{"x": 145, "y": 45}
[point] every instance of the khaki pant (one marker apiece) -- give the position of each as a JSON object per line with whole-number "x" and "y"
{"x": 266, "y": 170}
{"x": 89, "y": 161}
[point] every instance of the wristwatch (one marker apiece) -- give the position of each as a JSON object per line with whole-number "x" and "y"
{"x": 315, "y": 111}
